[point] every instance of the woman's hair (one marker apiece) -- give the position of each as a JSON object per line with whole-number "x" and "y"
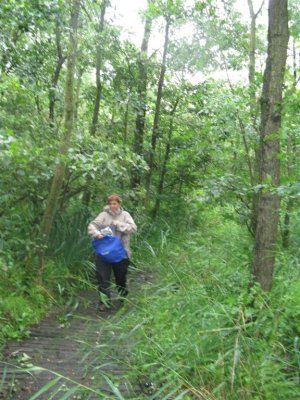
{"x": 114, "y": 197}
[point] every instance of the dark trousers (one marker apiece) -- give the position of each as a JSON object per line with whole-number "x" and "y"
{"x": 103, "y": 275}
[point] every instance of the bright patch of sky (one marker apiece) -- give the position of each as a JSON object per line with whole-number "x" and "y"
{"x": 129, "y": 16}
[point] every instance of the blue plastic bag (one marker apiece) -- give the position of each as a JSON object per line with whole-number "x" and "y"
{"x": 110, "y": 249}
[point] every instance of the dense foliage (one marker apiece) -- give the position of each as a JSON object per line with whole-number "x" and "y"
{"x": 182, "y": 152}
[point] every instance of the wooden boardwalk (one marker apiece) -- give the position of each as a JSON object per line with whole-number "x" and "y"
{"x": 76, "y": 358}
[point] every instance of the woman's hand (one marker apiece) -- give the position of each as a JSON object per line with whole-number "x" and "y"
{"x": 99, "y": 236}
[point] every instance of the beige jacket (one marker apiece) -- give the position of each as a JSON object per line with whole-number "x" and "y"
{"x": 121, "y": 223}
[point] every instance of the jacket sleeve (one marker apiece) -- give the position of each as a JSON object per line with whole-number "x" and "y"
{"x": 95, "y": 226}
{"x": 126, "y": 226}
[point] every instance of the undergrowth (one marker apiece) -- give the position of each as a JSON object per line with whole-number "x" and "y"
{"x": 202, "y": 327}
{"x": 23, "y": 299}
{"x": 196, "y": 328}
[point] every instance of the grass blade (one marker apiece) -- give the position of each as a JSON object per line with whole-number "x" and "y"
{"x": 45, "y": 388}
{"x": 69, "y": 393}
{"x": 3, "y": 377}
{"x": 180, "y": 396}
{"x": 114, "y": 388}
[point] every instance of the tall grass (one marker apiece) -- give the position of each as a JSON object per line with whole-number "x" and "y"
{"x": 194, "y": 328}
{"x": 69, "y": 242}
{"x": 23, "y": 300}
{"x": 202, "y": 328}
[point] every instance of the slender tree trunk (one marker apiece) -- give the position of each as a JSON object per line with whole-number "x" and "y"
{"x": 48, "y": 217}
{"x": 60, "y": 61}
{"x": 269, "y": 168}
{"x": 286, "y": 224}
{"x": 291, "y": 148}
{"x": 253, "y": 109}
{"x": 252, "y": 59}
{"x": 65, "y": 190}
{"x": 77, "y": 94}
{"x": 126, "y": 116}
{"x": 87, "y": 194}
{"x": 165, "y": 162}
{"x": 252, "y": 48}
{"x": 99, "y": 61}
{"x": 251, "y": 169}
{"x": 155, "y": 131}
{"x": 180, "y": 188}
{"x": 142, "y": 100}
{"x": 291, "y": 155}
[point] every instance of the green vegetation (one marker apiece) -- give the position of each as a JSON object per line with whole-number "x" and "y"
{"x": 207, "y": 164}
{"x": 24, "y": 300}
{"x": 200, "y": 326}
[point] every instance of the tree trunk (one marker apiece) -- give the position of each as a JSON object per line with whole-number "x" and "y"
{"x": 253, "y": 109}
{"x": 77, "y": 94}
{"x": 142, "y": 101}
{"x": 252, "y": 50}
{"x": 126, "y": 117}
{"x": 100, "y": 29}
{"x": 87, "y": 194}
{"x": 291, "y": 156}
{"x": 252, "y": 46}
{"x": 269, "y": 168}
{"x": 48, "y": 217}
{"x": 60, "y": 61}
{"x": 165, "y": 162}
{"x": 155, "y": 131}
{"x": 286, "y": 224}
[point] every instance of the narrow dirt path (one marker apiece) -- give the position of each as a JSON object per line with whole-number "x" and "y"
{"x": 72, "y": 354}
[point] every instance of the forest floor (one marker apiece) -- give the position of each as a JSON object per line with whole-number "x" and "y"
{"x": 72, "y": 353}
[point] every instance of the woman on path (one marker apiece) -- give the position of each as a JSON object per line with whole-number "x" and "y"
{"x": 122, "y": 225}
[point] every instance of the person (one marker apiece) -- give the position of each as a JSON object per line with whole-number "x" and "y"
{"x": 122, "y": 225}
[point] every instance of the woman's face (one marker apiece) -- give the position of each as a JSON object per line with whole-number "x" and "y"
{"x": 114, "y": 206}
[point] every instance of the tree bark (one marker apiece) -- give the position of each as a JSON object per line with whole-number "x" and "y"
{"x": 142, "y": 100}
{"x": 252, "y": 46}
{"x": 99, "y": 61}
{"x": 286, "y": 224}
{"x": 252, "y": 59}
{"x": 60, "y": 62}
{"x": 77, "y": 94}
{"x": 126, "y": 116}
{"x": 291, "y": 156}
{"x": 269, "y": 168}
{"x": 253, "y": 109}
{"x": 48, "y": 217}
{"x": 165, "y": 162}
{"x": 87, "y": 194}
{"x": 155, "y": 130}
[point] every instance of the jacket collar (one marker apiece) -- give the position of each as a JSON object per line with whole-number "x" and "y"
{"x": 110, "y": 212}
